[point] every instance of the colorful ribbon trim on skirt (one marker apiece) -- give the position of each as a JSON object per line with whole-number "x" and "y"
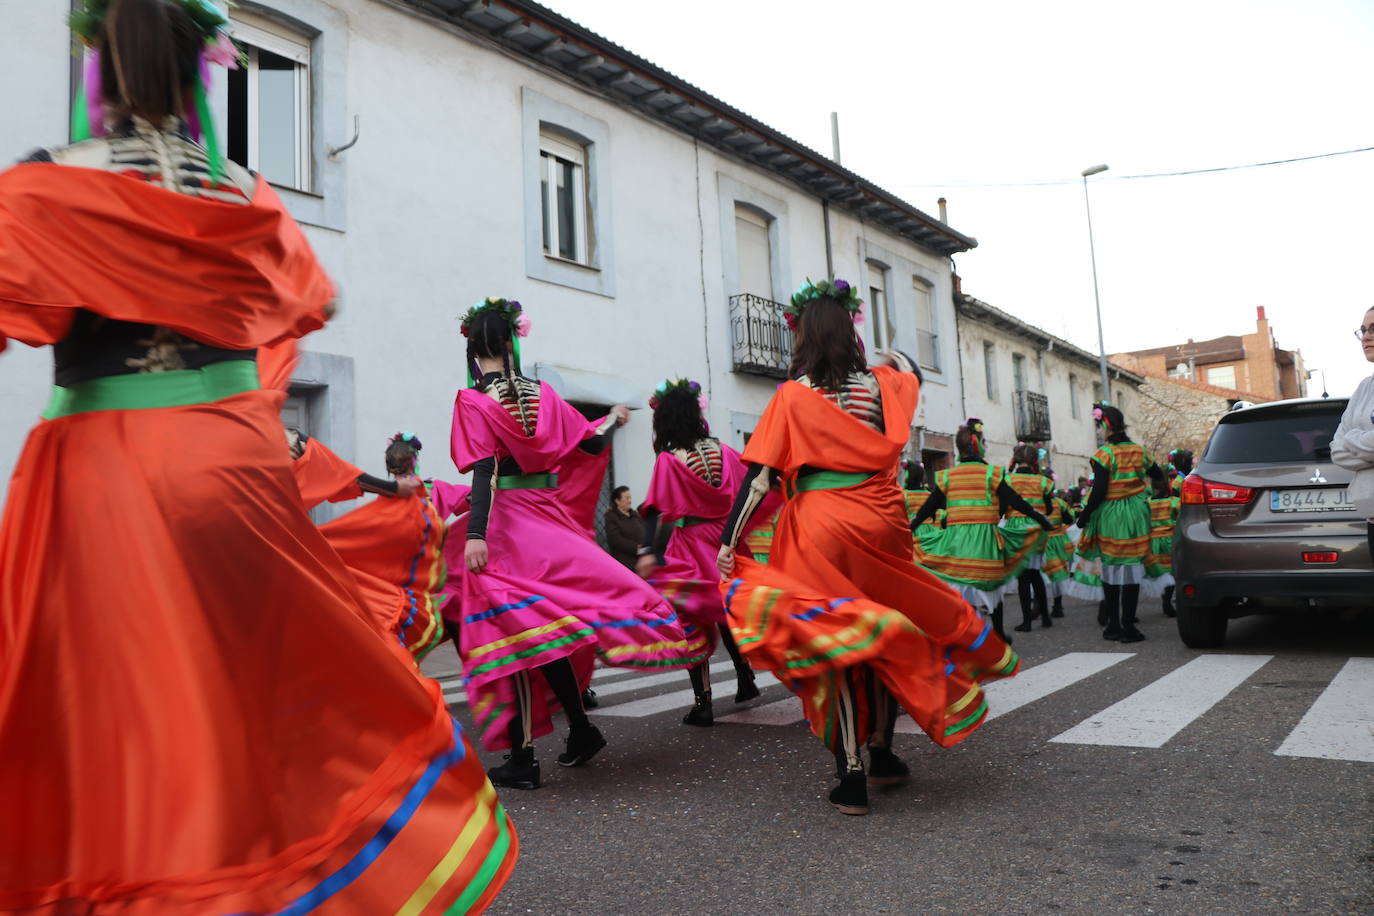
{"x": 149, "y": 390}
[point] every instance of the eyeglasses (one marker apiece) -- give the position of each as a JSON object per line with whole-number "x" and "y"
{"x": 1364, "y": 331}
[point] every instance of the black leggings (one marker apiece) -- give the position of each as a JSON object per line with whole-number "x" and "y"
{"x": 1121, "y": 604}
{"x": 561, "y": 679}
{"x": 855, "y": 682}
{"x": 1031, "y": 581}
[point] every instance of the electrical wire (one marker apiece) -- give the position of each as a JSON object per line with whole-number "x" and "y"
{"x": 1063, "y": 181}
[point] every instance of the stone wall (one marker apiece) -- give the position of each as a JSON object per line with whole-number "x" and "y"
{"x": 1177, "y": 414}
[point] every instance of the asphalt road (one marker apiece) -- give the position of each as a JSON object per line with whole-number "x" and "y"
{"x": 1206, "y": 819}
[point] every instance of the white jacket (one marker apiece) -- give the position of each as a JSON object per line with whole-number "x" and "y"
{"x": 1353, "y": 445}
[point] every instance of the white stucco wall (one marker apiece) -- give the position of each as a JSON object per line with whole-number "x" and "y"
{"x": 1048, "y": 372}
{"x": 426, "y": 215}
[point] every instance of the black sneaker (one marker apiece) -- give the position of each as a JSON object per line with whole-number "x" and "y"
{"x": 589, "y": 700}
{"x": 886, "y": 768}
{"x": 851, "y": 795}
{"x": 1112, "y": 633}
{"x": 583, "y": 743}
{"x": 1169, "y": 611}
{"x": 520, "y": 771}
{"x": 1129, "y": 633}
{"x": 700, "y": 714}
{"x": 746, "y": 689}
{"x": 1023, "y": 627}
{"x": 1058, "y": 609}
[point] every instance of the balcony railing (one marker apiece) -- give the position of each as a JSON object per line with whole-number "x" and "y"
{"x": 762, "y": 344}
{"x": 1032, "y": 416}
{"x": 928, "y": 350}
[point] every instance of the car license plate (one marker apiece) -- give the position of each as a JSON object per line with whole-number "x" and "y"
{"x": 1322, "y": 499}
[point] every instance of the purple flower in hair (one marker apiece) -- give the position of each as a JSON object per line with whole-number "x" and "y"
{"x": 695, "y": 386}
{"x": 841, "y": 285}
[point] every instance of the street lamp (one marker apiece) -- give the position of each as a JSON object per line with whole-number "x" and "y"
{"x": 1092, "y": 251}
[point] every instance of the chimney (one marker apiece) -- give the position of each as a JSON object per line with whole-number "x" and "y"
{"x": 944, "y": 214}
{"x": 1259, "y": 312}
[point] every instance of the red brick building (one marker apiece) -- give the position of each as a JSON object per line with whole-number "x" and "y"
{"x": 1253, "y": 363}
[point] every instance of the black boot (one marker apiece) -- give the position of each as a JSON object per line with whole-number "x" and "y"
{"x": 520, "y": 771}
{"x": 1040, "y": 598}
{"x": 1023, "y": 595}
{"x": 1112, "y": 629}
{"x": 1058, "y": 609}
{"x": 745, "y": 688}
{"x": 1102, "y": 611}
{"x": 1130, "y": 597}
{"x": 583, "y": 743}
{"x": 997, "y": 624}
{"x": 1169, "y": 602}
{"x": 851, "y": 795}
{"x": 701, "y": 712}
{"x": 886, "y": 768}
{"x": 589, "y": 700}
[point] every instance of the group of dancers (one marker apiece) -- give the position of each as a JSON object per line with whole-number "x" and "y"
{"x": 209, "y": 704}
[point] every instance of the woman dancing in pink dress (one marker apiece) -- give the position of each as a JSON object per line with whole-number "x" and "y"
{"x": 539, "y": 600}
{"x": 693, "y": 487}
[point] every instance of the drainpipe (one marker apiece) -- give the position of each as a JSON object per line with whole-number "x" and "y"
{"x": 829, "y": 258}
{"x": 958, "y": 340}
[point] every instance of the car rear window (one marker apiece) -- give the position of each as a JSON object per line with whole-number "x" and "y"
{"x": 1300, "y": 433}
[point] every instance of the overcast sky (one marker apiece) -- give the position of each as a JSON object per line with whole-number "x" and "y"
{"x": 934, "y": 96}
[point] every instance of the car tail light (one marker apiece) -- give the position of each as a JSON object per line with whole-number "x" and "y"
{"x": 1197, "y": 491}
{"x": 1319, "y": 556}
{"x": 1190, "y": 590}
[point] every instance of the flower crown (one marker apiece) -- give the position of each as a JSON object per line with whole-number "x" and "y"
{"x": 839, "y": 290}
{"x": 89, "y": 15}
{"x": 509, "y": 309}
{"x": 684, "y": 384}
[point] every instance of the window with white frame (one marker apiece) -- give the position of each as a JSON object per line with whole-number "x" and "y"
{"x": 268, "y": 118}
{"x": 753, "y": 252}
{"x": 1073, "y": 396}
{"x": 563, "y": 201}
{"x": 1222, "y": 376}
{"x": 990, "y": 369}
{"x": 927, "y": 340}
{"x": 883, "y": 330}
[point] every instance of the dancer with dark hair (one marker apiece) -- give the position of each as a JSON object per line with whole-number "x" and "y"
{"x": 1110, "y": 560}
{"x": 915, "y": 492}
{"x": 195, "y": 716}
{"x": 971, "y": 552}
{"x": 540, "y": 600}
{"x": 394, "y": 548}
{"x": 1159, "y": 561}
{"x": 1036, "y": 489}
{"x": 325, "y": 477}
{"x": 841, "y": 613}
{"x": 1180, "y": 466}
{"x": 694, "y": 483}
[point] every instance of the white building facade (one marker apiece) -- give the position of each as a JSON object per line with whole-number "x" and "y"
{"x": 1028, "y": 385}
{"x": 439, "y": 152}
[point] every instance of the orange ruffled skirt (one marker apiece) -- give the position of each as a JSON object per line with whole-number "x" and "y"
{"x": 841, "y": 590}
{"x": 196, "y": 717}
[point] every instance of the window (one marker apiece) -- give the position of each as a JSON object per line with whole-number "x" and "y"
{"x": 927, "y": 341}
{"x": 268, "y": 117}
{"x": 1222, "y": 376}
{"x": 753, "y": 251}
{"x": 1018, "y": 372}
{"x": 563, "y": 198}
{"x": 1073, "y": 396}
{"x": 990, "y": 369}
{"x": 883, "y": 330}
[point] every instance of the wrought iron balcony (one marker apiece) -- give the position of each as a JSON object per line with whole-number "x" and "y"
{"x": 761, "y": 342}
{"x": 928, "y": 350}
{"x": 1032, "y": 416}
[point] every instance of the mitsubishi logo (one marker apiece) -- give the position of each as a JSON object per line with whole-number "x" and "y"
{"x": 1316, "y": 476}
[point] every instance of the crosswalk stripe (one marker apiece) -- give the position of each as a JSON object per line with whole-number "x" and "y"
{"x": 1155, "y": 713}
{"x": 454, "y": 693}
{"x": 1037, "y": 682}
{"x": 678, "y": 699}
{"x": 1340, "y": 724}
{"x": 780, "y": 712}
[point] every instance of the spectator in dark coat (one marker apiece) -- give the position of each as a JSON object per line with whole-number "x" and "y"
{"x": 624, "y": 527}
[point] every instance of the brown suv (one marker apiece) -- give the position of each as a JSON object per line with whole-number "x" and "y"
{"x": 1266, "y": 523}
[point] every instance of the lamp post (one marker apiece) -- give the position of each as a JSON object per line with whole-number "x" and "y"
{"x": 1092, "y": 251}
